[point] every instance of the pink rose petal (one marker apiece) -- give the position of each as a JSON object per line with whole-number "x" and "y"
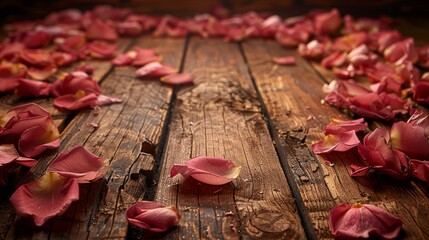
{"x": 358, "y": 221}
{"x": 420, "y": 170}
{"x": 288, "y": 60}
{"x": 72, "y": 102}
{"x": 147, "y": 69}
{"x": 31, "y": 88}
{"x": 45, "y": 197}
{"x": 340, "y": 142}
{"x": 8, "y": 153}
{"x": 80, "y": 164}
{"x": 410, "y": 139}
{"x": 37, "y": 139}
{"x": 209, "y": 170}
{"x": 42, "y": 73}
{"x": 152, "y": 216}
{"x": 177, "y": 78}
{"x": 103, "y": 100}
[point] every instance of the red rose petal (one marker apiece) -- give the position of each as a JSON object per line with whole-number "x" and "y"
{"x": 152, "y": 216}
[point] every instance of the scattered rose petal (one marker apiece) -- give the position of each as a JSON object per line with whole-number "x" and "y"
{"x": 339, "y": 142}
{"x": 80, "y": 164}
{"x": 209, "y": 170}
{"x": 288, "y": 60}
{"x": 45, "y": 197}
{"x": 103, "y": 100}
{"x": 357, "y": 221}
{"x": 31, "y": 88}
{"x": 152, "y": 216}
{"x": 76, "y": 101}
{"x": 42, "y": 73}
{"x": 8, "y": 153}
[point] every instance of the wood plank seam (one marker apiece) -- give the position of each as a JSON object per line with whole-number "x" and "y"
{"x": 305, "y": 219}
{"x": 159, "y": 152}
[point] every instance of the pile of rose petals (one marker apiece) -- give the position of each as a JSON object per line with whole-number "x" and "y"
{"x": 149, "y": 64}
{"x": 26, "y": 131}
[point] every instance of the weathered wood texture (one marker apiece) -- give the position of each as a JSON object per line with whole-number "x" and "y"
{"x": 219, "y": 115}
{"x": 292, "y": 96}
{"x": 128, "y": 136}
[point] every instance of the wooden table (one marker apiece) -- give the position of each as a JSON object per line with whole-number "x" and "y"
{"x": 242, "y": 107}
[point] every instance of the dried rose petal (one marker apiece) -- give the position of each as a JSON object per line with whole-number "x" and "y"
{"x": 45, "y": 197}
{"x": 327, "y": 23}
{"x": 31, "y": 88}
{"x": 340, "y": 142}
{"x": 288, "y": 60}
{"x": 80, "y": 164}
{"x": 209, "y": 170}
{"x": 357, "y": 221}
{"x": 152, "y": 216}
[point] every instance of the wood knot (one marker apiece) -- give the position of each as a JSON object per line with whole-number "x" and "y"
{"x": 273, "y": 225}
{"x": 271, "y": 222}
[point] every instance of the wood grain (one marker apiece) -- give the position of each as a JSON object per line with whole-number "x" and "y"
{"x": 125, "y": 131}
{"x": 219, "y": 115}
{"x": 292, "y": 97}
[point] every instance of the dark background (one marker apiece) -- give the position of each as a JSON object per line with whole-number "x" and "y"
{"x": 35, "y": 9}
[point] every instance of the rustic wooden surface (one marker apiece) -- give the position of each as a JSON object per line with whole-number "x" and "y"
{"x": 242, "y": 107}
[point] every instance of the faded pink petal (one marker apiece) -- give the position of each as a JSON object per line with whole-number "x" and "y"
{"x": 8, "y": 84}
{"x": 101, "y": 30}
{"x": 45, "y": 197}
{"x": 152, "y": 216}
{"x": 421, "y": 92}
{"x": 336, "y": 59}
{"x": 209, "y": 170}
{"x": 20, "y": 112}
{"x": 410, "y": 139}
{"x": 327, "y": 23}
{"x": 288, "y": 60}
{"x": 37, "y": 139}
{"x": 75, "y": 102}
{"x": 101, "y": 50}
{"x": 80, "y": 164}
{"x": 376, "y": 152}
{"x": 31, "y": 88}
{"x": 336, "y": 126}
{"x": 8, "y": 153}
{"x": 74, "y": 82}
{"x": 357, "y": 221}
{"x": 147, "y": 69}
{"x": 311, "y": 50}
{"x": 421, "y": 119}
{"x": 384, "y": 39}
{"x": 340, "y": 142}
{"x": 103, "y": 100}
{"x": 164, "y": 70}
{"x": 177, "y": 78}
{"x": 293, "y": 36}
{"x": 36, "y": 57}
{"x": 350, "y": 41}
{"x": 420, "y": 170}
{"x": 122, "y": 60}
{"x": 143, "y": 60}
{"x": 129, "y": 28}
{"x": 63, "y": 58}
{"x": 42, "y": 73}
{"x": 401, "y": 51}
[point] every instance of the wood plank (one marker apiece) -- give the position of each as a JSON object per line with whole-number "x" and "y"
{"x": 126, "y": 130}
{"x": 292, "y": 97}
{"x": 219, "y": 115}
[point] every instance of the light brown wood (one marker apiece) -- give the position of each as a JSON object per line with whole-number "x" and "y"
{"x": 292, "y": 95}
{"x": 219, "y": 115}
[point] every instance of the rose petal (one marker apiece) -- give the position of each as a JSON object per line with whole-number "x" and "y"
{"x": 209, "y": 170}
{"x": 420, "y": 170}
{"x": 327, "y": 23}
{"x": 340, "y": 142}
{"x": 42, "y": 73}
{"x": 177, "y": 78}
{"x": 37, "y": 139}
{"x": 152, "y": 216}
{"x": 70, "y": 102}
{"x": 31, "y": 88}
{"x": 103, "y": 100}
{"x": 357, "y": 221}
{"x": 122, "y": 60}
{"x": 338, "y": 126}
{"x": 410, "y": 139}
{"x": 147, "y": 69}
{"x": 45, "y": 197}
{"x": 288, "y": 60}
{"x": 80, "y": 164}
{"x": 8, "y": 153}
